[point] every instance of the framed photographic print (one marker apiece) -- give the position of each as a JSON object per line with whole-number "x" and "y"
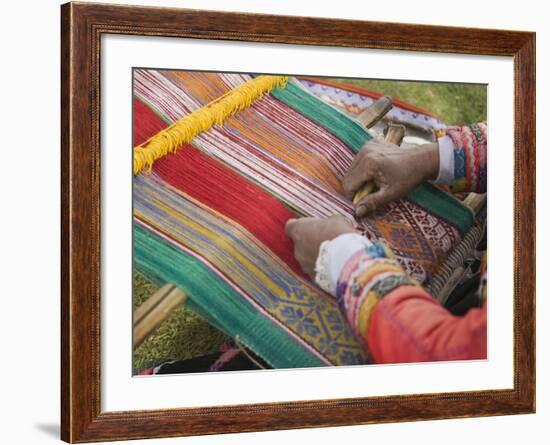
{"x": 276, "y": 222}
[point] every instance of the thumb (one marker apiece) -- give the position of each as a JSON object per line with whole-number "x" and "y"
{"x": 290, "y": 227}
{"x": 372, "y": 202}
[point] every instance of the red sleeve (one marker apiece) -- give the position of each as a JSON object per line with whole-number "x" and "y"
{"x": 408, "y": 325}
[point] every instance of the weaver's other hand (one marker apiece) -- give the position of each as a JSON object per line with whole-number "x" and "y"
{"x": 395, "y": 172}
{"x": 308, "y": 234}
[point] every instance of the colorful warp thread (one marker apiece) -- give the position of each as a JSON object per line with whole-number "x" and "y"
{"x": 184, "y": 130}
{"x": 268, "y": 130}
{"x": 262, "y": 279}
{"x": 206, "y": 180}
{"x": 210, "y": 217}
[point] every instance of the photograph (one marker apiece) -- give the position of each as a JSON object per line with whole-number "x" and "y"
{"x": 275, "y": 221}
{"x": 284, "y": 221}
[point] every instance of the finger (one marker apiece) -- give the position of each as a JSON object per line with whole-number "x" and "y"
{"x": 354, "y": 181}
{"x": 356, "y": 160}
{"x": 360, "y": 155}
{"x": 372, "y": 202}
{"x": 341, "y": 220}
{"x": 290, "y": 227}
{"x": 355, "y": 166}
{"x": 294, "y": 225}
{"x": 363, "y": 151}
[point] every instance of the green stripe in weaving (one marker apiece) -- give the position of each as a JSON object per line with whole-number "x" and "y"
{"x": 443, "y": 205}
{"x": 333, "y": 120}
{"x": 161, "y": 262}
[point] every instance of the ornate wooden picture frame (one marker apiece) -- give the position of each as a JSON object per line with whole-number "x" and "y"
{"x": 82, "y": 26}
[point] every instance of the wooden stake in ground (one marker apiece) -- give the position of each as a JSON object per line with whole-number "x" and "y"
{"x": 155, "y": 310}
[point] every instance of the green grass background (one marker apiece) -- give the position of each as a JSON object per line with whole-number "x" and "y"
{"x": 185, "y": 335}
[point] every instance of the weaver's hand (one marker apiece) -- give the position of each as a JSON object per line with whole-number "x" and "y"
{"x": 308, "y": 234}
{"x": 395, "y": 172}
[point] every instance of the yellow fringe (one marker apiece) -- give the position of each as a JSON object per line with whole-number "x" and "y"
{"x": 184, "y": 130}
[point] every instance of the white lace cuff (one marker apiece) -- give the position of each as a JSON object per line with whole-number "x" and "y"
{"x": 333, "y": 255}
{"x": 322, "y": 277}
{"x": 446, "y": 161}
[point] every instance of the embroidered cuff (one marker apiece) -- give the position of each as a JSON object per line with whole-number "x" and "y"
{"x": 366, "y": 278}
{"x": 446, "y": 161}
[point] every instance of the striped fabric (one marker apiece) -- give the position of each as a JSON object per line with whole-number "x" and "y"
{"x": 211, "y": 216}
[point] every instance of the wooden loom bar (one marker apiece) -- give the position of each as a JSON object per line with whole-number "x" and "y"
{"x": 155, "y": 310}
{"x": 372, "y": 114}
